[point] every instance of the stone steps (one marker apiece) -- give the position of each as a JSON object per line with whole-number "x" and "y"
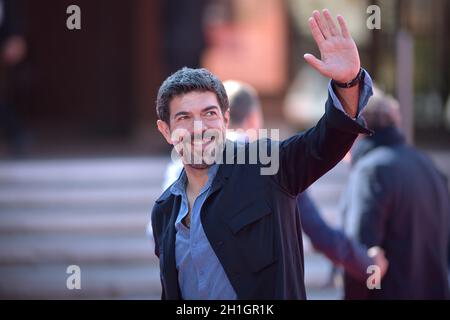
{"x": 93, "y": 213}
{"x": 108, "y": 170}
{"x": 75, "y": 248}
{"x": 73, "y": 221}
{"x": 98, "y": 281}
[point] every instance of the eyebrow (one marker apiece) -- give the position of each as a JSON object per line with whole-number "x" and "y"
{"x": 181, "y": 113}
{"x": 185, "y": 113}
{"x": 210, "y": 108}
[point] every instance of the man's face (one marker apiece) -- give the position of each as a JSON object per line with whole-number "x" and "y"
{"x": 197, "y": 127}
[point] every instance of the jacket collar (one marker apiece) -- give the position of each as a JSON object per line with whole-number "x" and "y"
{"x": 389, "y": 136}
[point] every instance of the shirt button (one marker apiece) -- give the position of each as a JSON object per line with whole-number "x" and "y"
{"x": 202, "y": 273}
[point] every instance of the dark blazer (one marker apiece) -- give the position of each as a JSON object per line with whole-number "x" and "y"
{"x": 402, "y": 203}
{"x": 252, "y": 220}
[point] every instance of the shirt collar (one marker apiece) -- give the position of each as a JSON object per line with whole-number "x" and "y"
{"x": 179, "y": 187}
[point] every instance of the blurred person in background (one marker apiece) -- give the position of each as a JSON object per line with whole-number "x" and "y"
{"x": 397, "y": 200}
{"x": 184, "y": 37}
{"x": 13, "y": 49}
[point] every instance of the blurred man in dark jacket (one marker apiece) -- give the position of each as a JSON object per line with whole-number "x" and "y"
{"x": 399, "y": 201}
{"x": 183, "y": 39}
{"x": 13, "y": 49}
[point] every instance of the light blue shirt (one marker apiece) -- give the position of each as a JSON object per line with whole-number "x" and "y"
{"x": 200, "y": 273}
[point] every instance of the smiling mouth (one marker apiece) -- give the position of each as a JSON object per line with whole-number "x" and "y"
{"x": 204, "y": 143}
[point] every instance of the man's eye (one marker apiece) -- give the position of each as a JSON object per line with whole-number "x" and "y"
{"x": 211, "y": 113}
{"x": 182, "y": 117}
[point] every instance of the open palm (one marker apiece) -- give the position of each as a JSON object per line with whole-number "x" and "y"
{"x": 339, "y": 54}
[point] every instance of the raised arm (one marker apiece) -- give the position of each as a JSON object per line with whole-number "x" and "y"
{"x": 339, "y": 58}
{"x": 306, "y": 157}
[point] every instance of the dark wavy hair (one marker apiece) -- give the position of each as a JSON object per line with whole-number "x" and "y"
{"x": 188, "y": 80}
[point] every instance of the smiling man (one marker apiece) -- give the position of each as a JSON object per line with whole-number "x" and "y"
{"x": 224, "y": 230}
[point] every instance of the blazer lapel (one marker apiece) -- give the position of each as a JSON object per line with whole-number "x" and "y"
{"x": 170, "y": 273}
{"x": 225, "y": 170}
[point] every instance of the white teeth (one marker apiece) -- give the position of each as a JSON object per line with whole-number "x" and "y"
{"x": 202, "y": 142}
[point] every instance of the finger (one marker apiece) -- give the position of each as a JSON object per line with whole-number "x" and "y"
{"x": 315, "y": 31}
{"x": 331, "y": 25}
{"x": 322, "y": 26}
{"x": 343, "y": 25}
{"x": 315, "y": 63}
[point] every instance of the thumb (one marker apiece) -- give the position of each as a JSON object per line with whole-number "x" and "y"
{"x": 315, "y": 63}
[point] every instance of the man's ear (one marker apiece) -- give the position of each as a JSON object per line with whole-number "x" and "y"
{"x": 226, "y": 117}
{"x": 163, "y": 127}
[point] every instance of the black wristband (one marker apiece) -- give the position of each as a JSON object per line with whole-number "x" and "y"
{"x": 350, "y": 84}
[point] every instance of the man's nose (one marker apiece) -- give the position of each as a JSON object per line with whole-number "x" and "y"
{"x": 199, "y": 128}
